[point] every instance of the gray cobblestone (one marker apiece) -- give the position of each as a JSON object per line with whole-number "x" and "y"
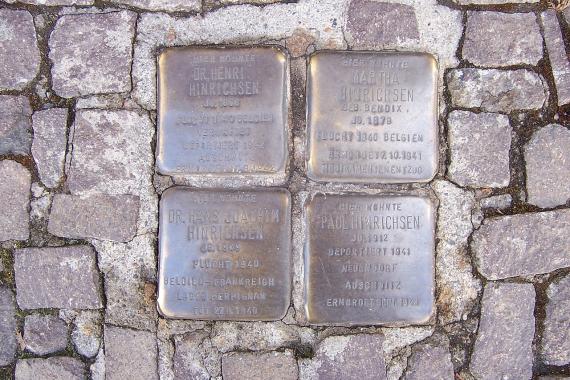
{"x": 546, "y": 184}
{"x": 44, "y": 334}
{"x": 8, "y": 327}
{"x": 87, "y": 332}
{"x": 164, "y": 5}
{"x": 15, "y": 125}
{"x": 493, "y": 2}
{"x": 497, "y": 202}
{"x": 430, "y": 360}
{"x": 495, "y": 39}
{"x": 105, "y": 217}
{"x": 53, "y": 2}
{"x": 479, "y": 145}
{"x": 274, "y": 365}
{"x": 98, "y": 64}
{"x": 15, "y": 183}
{"x": 195, "y": 357}
{"x": 130, "y": 354}
{"x": 65, "y": 277}
{"x": 19, "y": 53}
{"x": 48, "y": 146}
{"x": 497, "y": 90}
{"x": 557, "y": 55}
{"x": 60, "y": 367}
{"x": 522, "y": 245}
{"x": 503, "y": 348}
{"x": 555, "y": 349}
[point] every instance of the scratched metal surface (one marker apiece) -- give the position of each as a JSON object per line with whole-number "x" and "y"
{"x": 372, "y": 117}
{"x": 222, "y": 111}
{"x": 369, "y": 259}
{"x": 224, "y": 255}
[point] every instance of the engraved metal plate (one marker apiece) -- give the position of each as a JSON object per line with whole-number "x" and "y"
{"x": 224, "y": 255}
{"x": 372, "y": 117}
{"x": 369, "y": 259}
{"x": 222, "y": 111}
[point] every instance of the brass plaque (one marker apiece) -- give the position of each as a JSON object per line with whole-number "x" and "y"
{"x": 372, "y": 117}
{"x": 224, "y": 255}
{"x": 222, "y": 111}
{"x": 369, "y": 259}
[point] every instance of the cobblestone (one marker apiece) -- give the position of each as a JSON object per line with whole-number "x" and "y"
{"x": 195, "y": 357}
{"x": 495, "y": 39}
{"x": 15, "y": 183}
{"x": 555, "y": 348}
{"x": 19, "y": 53}
{"x": 130, "y": 354}
{"x": 457, "y": 288}
{"x": 372, "y": 24}
{"x": 60, "y": 367}
{"x": 53, "y": 2}
{"x": 430, "y": 358}
{"x": 8, "y": 327}
{"x": 546, "y": 184}
{"x": 497, "y": 90}
{"x": 15, "y": 125}
{"x": 94, "y": 65}
{"x": 522, "y": 245}
{"x": 229, "y": 336}
{"x": 353, "y": 357}
{"x": 493, "y": 2}
{"x": 164, "y": 5}
{"x": 104, "y": 217}
{"x": 497, "y": 202}
{"x": 479, "y": 146}
{"x": 503, "y": 348}
{"x": 44, "y": 334}
{"x": 48, "y": 146}
{"x": 274, "y": 365}
{"x": 87, "y": 332}
{"x": 65, "y": 277}
{"x": 557, "y": 55}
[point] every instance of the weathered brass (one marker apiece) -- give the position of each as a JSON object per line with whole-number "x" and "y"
{"x": 224, "y": 255}
{"x": 369, "y": 259}
{"x": 372, "y": 117}
{"x": 222, "y": 111}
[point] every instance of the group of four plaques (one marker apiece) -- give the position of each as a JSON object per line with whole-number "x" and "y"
{"x": 226, "y": 254}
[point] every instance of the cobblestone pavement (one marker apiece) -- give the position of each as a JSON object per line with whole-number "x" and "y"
{"x": 79, "y": 192}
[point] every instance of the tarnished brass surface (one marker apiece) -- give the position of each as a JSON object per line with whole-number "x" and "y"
{"x": 222, "y": 111}
{"x": 224, "y": 255}
{"x": 369, "y": 259}
{"x": 372, "y": 117}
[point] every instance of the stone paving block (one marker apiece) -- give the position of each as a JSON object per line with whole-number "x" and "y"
{"x": 92, "y": 53}
{"x": 495, "y": 39}
{"x": 493, "y": 2}
{"x": 257, "y": 336}
{"x": 130, "y": 354}
{"x": 49, "y": 144}
{"x": 547, "y": 157}
{"x": 503, "y": 347}
{"x": 111, "y": 152}
{"x": 164, "y": 5}
{"x": 59, "y": 367}
{"x": 8, "y": 327}
{"x": 105, "y": 217}
{"x": 372, "y": 23}
{"x": 557, "y": 55}
{"x": 457, "y": 287}
{"x": 130, "y": 277}
{"x": 479, "y": 145}
{"x": 353, "y": 357}
{"x": 270, "y": 365}
{"x": 195, "y": 357}
{"x": 501, "y": 201}
{"x": 44, "y": 334}
{"x": 523, "y": 244}
{"x": 555, "y": 348}
{"x": 19, "y": 53}
{"x": 52, "y": 2}
{"x": 430, "y": 360}
{"x": 87, "y": 333}
{"x": 497, "y": 90}
{"x": 63, "y": 278}
{"x": 15, "y": 125}
{"x": 15, "y": 183}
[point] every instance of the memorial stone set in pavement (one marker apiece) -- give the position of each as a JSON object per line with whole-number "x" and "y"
{"x": 349, "y": 189}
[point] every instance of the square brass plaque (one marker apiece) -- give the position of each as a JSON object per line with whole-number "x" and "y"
{"x": 222, "y": 111}
{"x": 369, "y": 259}
{"x": 372, "y": 117}
{"x": 224, "y": 255}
